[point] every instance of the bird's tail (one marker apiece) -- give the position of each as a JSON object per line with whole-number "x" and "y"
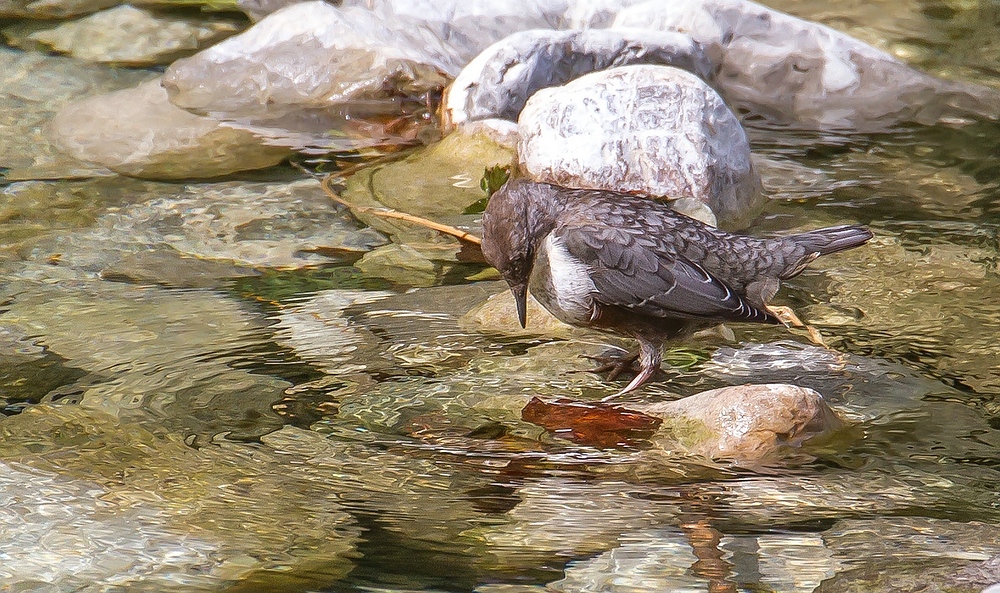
{"x": 832, "y": 239}
{"x": 824, "y": 242}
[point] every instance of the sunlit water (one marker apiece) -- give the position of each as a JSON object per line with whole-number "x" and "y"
{"x": 323, "y": 430}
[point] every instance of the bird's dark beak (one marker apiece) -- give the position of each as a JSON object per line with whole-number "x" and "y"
{"x": 520, "y": 293}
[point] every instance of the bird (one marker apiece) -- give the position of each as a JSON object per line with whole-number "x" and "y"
{"x": 630, "y": 265}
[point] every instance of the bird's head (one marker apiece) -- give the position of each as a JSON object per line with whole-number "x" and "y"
{"x": 510, "y": 236}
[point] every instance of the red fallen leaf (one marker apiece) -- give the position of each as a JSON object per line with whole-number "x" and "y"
{"x": 600, "y": 425}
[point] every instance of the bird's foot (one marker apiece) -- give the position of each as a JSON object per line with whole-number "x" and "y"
{"x": 790, "y": 319}
{"x": 612, "y": 364}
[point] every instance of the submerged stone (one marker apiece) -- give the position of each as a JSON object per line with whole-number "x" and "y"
{"x": 33, "y": 87}
{"x": 498, "y": 314}
{"x": 401, "y": 264}
{"x": 200, "y": 235}
{"x": 124, "y": 35}
{"x": 158, "y": 357}
{"x": 94, "y": 503}
{"x": 320, "y": 331}
{"x": 695, "y": 149}
{"x": 154, "y": 139}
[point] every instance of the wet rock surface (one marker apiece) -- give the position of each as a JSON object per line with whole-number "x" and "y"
{"x": 201, "y": 235}
{"x": 33, "y": 87}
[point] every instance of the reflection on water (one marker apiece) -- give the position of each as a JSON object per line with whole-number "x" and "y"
{"x": 179, "y": 424}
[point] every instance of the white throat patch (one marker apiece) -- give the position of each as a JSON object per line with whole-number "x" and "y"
{"x": 561, "y": 283}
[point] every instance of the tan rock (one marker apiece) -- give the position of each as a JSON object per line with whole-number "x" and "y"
{"x": 745, "y": 423}
{"x": 498, "y": 314}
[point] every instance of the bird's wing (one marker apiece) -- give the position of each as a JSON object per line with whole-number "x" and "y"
{"x": 645, "y": 274}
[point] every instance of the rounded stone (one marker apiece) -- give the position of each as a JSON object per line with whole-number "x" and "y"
{"x": 744, "y": 423}
{"x": 653, "y": 130}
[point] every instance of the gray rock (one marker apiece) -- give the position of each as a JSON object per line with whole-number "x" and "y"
{"x": 499, "y": 81}
{"x": 374, "y": 54}
{"x": 745, "y": 424}
{"x": 792, "y": 71}
{"x": 655, "y": 130}
{"x": 124, "y": 35}
{"x": 154, "y": 139}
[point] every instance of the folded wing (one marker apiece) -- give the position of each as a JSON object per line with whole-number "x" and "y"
{"x": 645, "y": 274}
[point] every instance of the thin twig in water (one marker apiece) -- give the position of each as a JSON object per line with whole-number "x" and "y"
{"x": 459, "y": 234}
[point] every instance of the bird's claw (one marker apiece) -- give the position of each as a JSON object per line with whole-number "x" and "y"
{"x": 612, "y": 364}
{"x": 790, "y": 319}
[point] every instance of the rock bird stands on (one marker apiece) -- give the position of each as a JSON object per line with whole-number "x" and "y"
{"x": 633, "y": 266}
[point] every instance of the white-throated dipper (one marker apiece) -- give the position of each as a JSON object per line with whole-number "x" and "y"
{"x": 632, "y": 266}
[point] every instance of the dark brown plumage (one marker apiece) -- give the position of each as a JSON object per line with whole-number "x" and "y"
{"x": 632, "y": 266}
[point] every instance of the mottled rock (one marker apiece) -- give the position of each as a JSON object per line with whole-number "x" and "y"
{"x": 795, "y": 72}
{"x": 668, "y": 133}
{"x": 499, "y": 81}
{"x": 746, "y": 423}
{"x": 124, "y": 35}
{"x": 154, "y": 139}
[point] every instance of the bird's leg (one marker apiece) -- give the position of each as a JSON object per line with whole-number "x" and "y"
{"x": 613, "y": 365}
{"x": 790, "y": 319}
{"x": 650, "y": 356}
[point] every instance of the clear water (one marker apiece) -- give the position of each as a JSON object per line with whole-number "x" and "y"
{"x": 317, "y": 429}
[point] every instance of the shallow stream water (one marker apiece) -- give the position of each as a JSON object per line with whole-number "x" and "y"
{"x": 191, "y": 405}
